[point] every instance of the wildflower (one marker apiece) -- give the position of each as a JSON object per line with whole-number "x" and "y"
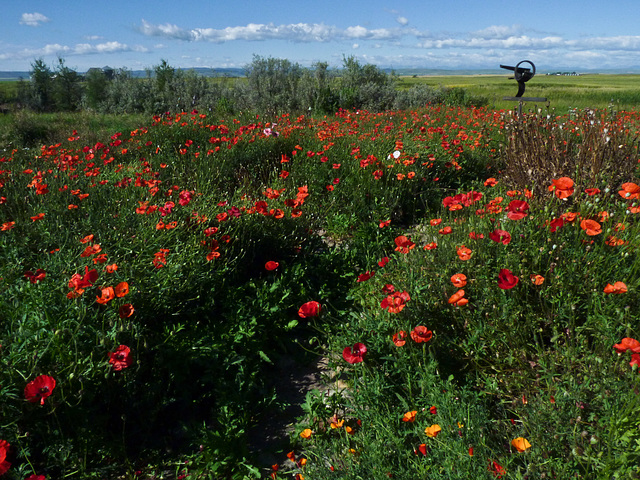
{"x": 463, "y": 252}
{"x": 635, "y": 360}
{"x": 91, "y": 250}
{"x": 354, "y": 354}
{"x": 306, "y": 433}
{"x": 445, "y": 231}
{"x": 395, "y": 302}
{"x": 433, "y": 430}
{"x": 309, "y": 309}
{"x": 555, "y": 224}
{"x": 336, "y": 424}
{"x": 410, "y": 417}
{"x": 271, "y": 265}
{"x": 630, "y": 191}
{"x": 497, "y": 469}
{"x": 517, "y": 210}
{"x": 121, "y": 358}
{"x": 404, "y": 244}
{"x": 111, "y": 268}
{"x": 537, "y": 279}
{"x": 421, "y": 334}
{"x": 39, "y": 216}
{"x": 35, "y": 277}
{"x": 39, "y": 389}
{"x": 617, "y": 287}
{"x": 490, "y": 182}
{"x": 520, "y": 444}
{"x": 458, "y": 299}
{"x": 383, "y": 261}
{"x": 160, "y": 258}
{"x": 430, "y": 246}
{"x": 433, "y": 410}
{"x": 122, "y": 289}
{"x": 363, "y": 277}
{"x": 4, "y": 463}
{"x": 421, "y": 449}
{"x": 399, "y": 338}
{"x": 627, "y": 344}
{"x": 6, "y": 226}
{"x": 459, "y": 280}
{"x": 592, "y": 191}
{"x": 126, "y": 310}
{"x": 506, "y": 279}
{"x": 435, "y": 222}
{"x": 106, "y": 295}
{"x": 591, "y": 227}
{"x": 563, "y": 187}
{"x": 500, "y": 236}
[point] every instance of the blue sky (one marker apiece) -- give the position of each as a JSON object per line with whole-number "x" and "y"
{"x": 456, "y": 34}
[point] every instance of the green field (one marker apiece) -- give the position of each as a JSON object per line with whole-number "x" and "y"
{"x": 622, "y": 92}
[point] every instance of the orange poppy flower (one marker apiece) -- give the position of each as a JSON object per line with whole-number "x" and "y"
{"x": 456, "y": 296}
{"x": 618, "y": 287}
{"x": 520, "y": 444}
{"x": 430, "y": 246}
{"x": 563, "y": 187}
{"x": 464, "y": 253}
{"x": 459, "y": 280}
{"x": 107, "y": 294}
{"x": 435, "y": 222}
{"x": 306, "y": 433}
{"x": 630, "y": 191}
{"x": 591, "y": 227}
{"x": 433, "y": 430}
{"x": 7, "y": 226}
{"x": 537, "y": 279}
{"x": 122, "y": 289}
{"x": 111, "y": 268}
{"x": 421, "y": 334}
{"x": 627, "y": 344}
{"x": 410, "y": 416}
{"x": 399, "y": 338}
{"x": 490, "y": 182}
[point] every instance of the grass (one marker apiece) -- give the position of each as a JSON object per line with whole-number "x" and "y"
{"x": 463, "y": 292}
{"x": 600, "y": 91}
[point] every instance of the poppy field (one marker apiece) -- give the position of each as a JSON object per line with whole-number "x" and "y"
{"x": 470, "y": 280}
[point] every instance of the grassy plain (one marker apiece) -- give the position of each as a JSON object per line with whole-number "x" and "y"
{"x": 620, "y": 92}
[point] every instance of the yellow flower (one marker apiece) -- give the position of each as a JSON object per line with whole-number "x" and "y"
{"x": 337, "y": 424}
{"x": 520, "y": 444}
{"x": 433, "y": 430}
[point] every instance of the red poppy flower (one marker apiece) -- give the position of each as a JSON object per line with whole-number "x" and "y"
{"x": 121, "y": 358}
{"x": 536, "y": 279}
{"x": 433, "y": 410}
{"x": 35, "y": 277}
{"x": 555, "y": 224}
{"x": 431, "y": 246}
{"x": 354, "y": 354}
{"x": 403, "y": 244}
{"x": 517, "y": 210}
{"x": 309, "y": 309}
{"x": 458, "y": 299}
{"x": 500, "y": 236}
{"x": 497, "y": 469}
{"x": 435, "y": 222}
{"x": 40, "y": 388}
{"x": 106, "y": 295}
{"x": 592, "y": 191}
{"x": 422, "y": 449}
{"x": 618, "y": 287}
{"x": 271, "y": 265}
{"x": 591, "y": 227}
{"x": 563, "y": 187}
{"x": 490, "y": 182}
{"x": 4, "y": 450}
{"x": 363, "y": 277}
{"x": 446, "y": 230}
{"x": 126, "y": 310}
{"x": 627, "y": 344}
{"x": 78, "y": 281}
{"x": 383, "y": 261}
{"x": 506, "y": 279}
{"x": 463, "y": 252}
{"x": 421, "y": 334}
{"x": 459, "y": 280}
{"x": 630, "y": 191}
{"x": 635, "y": 360}
{"x": 399, "y": 338}
{"x": 122, "y": 289}
{"x": 395, "y": 302}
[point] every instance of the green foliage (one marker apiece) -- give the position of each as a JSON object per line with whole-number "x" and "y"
{"x": 223, "y": 227}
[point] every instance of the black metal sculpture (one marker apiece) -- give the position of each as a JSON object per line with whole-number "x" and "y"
{"x": 521, "y": 74}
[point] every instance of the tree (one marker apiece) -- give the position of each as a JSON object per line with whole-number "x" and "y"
{"x": 67, "y": 92}
{"x": 95, "y": 88}
{"x": 41, "y": 90}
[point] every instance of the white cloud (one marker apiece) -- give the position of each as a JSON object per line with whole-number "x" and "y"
{"x": 55, "y": 49}
{"x": 33, "y": 19}
{"x": 402, "y": 20}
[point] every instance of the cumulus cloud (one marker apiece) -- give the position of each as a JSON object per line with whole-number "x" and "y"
{"x": 33, "y": 19}
{"x": 294, "y": 32}
{"x": 56, "y": 49}
{"x": 402, "y": 20}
